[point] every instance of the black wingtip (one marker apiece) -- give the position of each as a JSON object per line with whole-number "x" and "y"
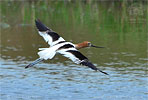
{"x": 40, "y": 26}
{"x": 89, "y": 64}
{"x": 103, "y": 72}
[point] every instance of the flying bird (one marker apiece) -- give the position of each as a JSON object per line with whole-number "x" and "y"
{"x": 59, "y": 46}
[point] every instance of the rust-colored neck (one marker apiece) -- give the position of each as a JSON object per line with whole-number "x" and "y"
{"x": 81, "y": 45}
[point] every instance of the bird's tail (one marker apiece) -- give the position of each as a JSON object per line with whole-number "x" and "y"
{"x": 35, "y": 62}
{"x": 46, "y": 53}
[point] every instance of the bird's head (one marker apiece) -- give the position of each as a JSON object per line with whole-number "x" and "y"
{"x": 86, "y": 44}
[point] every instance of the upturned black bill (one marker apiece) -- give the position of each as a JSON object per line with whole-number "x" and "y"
{"x": 97, "y": 46}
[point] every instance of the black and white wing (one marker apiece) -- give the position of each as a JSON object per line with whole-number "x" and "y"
{"x": 78, "y": 58}
{"x": 49, "y": 36}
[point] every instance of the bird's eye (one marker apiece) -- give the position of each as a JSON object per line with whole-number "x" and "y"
{"x": 89, "y": 44}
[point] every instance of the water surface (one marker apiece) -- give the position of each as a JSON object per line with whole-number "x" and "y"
{"x": 117, "y": 26}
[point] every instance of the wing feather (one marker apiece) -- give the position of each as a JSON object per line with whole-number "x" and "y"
{"x": 49, "y": 36}
{"x": 69, "y": 55}
{"x": 78, "y": 58}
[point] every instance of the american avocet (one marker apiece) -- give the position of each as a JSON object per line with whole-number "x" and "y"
{"x": 59, "y": 46}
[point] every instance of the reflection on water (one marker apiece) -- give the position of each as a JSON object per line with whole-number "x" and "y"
{"x": 123, "y": 34}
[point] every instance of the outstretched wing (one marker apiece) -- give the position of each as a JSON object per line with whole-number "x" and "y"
{"x": 49, "y": 36}
{"x": 78, "y": 58}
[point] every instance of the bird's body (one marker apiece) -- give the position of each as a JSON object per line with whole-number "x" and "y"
{"x": 59, "y": 46}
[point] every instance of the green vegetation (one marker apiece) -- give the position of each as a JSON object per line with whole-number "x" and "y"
{"x": 118, "y": 15}
{"x": 101, "y": 17}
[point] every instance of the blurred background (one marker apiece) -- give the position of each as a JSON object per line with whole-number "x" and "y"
{"x": 119, "y": 26}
